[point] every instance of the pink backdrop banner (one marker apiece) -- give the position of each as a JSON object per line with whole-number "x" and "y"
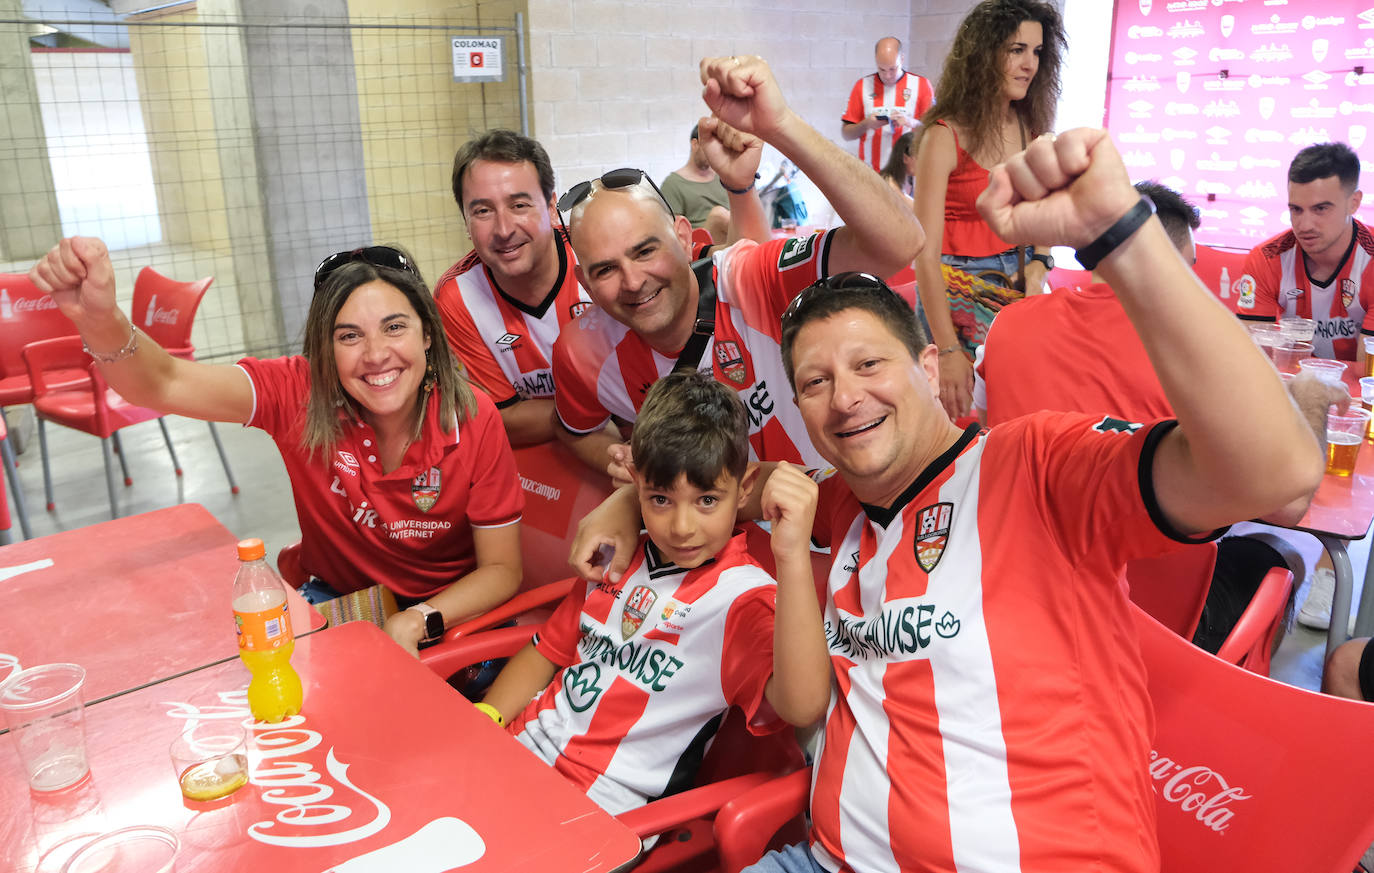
{"x": 1214, "y": 97}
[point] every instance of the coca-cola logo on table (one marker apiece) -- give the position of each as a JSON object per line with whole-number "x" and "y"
{"x": 1284, "y": 68}
{"x": 1198, "y": 790}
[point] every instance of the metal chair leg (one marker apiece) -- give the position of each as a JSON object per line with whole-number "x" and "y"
{"x": 223, "y": 458}
{"x": 167, "y": 438}
{"x": 47, "y": 470}
{"x": 123, "y": 464}
{"x": 16, "y": 490}
{"x": 109, "y": 472}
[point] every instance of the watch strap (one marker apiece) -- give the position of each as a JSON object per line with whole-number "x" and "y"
{"x": 1044, "y": 259}
{"x": 1092, "y": 254}
{"x": 434, "y": 620}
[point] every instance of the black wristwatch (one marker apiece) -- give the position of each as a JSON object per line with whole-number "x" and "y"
{"x": 1047, "y": 260}
{"x": 434, "y": 621}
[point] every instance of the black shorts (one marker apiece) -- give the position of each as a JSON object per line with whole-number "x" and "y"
{"x": 1367, "y": 671}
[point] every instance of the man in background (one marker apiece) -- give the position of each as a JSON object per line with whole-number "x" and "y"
{"x": 694, "y": 190}
{"x": 884, "y": 105}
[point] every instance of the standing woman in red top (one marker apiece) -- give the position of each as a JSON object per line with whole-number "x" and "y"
{"x": 997, "y": 92}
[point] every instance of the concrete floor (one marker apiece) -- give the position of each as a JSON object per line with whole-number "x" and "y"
{"x": 263, "y": 508}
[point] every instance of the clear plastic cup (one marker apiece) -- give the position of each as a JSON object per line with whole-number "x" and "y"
{"x": 1325, "y": 369}
{"x": 210, "y": 758}
{"x": 1297, "y": 329}
{"x": 1287, "y": 357}
{"x": 46, "y": 716}
{"x": 1266, "y": 336}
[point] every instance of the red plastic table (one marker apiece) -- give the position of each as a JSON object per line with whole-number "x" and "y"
{"x": 132, "y": 600}
{"x": 385, "y": 758}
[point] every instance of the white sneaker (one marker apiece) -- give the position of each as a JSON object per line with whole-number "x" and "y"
{"x": 1316, "y": 609}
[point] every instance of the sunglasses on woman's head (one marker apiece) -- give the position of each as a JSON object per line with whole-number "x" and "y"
{"x": 377, "y": 256}
{"x": 625, "y": 177}
{"x": 851, "y": 281}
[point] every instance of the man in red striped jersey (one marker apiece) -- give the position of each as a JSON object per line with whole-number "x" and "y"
{"x": 504, "y": 304}
{"x": 989, "y": 711}
{"x": 633, "y": 257}
{"x": 885, "y": 104}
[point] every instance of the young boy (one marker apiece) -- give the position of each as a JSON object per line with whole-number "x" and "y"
{"x": 634, "y": 676}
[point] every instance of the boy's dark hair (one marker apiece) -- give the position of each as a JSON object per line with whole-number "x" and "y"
{"x": 691, "y": 425}
{"x": 505, "y": 147}
{"x": 835, "y": 294}
{"x": 1326, "y": 159}
{"x": 1176, "y": 214}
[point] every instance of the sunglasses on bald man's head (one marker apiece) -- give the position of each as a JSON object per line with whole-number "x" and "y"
{"x": 625, "y": 177}
{"x": 377, "y": 256}
{"x": 852, "y": 281}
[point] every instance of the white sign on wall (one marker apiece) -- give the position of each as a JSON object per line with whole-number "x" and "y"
{"x": 477, "y": 59}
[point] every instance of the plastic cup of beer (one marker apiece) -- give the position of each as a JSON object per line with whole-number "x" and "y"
{"x": 1287, "y": 355}
{"x": 1325, "y": 369}
{"x": 210, "y": 758}
{"x": 1266, "y": 336}
{"x": 46, "y": 716}
{"x": 1367, "y": 401}
{"x": 1294, "y": 328}
{"x": 1368, "y": 355}
{"x": 1345, "y": 431}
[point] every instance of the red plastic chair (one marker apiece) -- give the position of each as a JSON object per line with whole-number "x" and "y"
{"x": 1250, "y": 774}
{"x": 16, "y": 490}
{"x": 736, "y": 762}
{"x": 28, "y": 315}
{"x": 165, "y": 309}
{"x": 1210, "y": 262}
{"x": 94, "y": 408}
{"x": 702, "y": 236}
{"x": 559, "y": 491}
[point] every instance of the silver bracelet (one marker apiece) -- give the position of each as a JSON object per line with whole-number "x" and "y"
{"x": 114, "y": 357}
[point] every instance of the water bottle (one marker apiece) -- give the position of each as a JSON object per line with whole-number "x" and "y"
{"x": 266, "y": 640}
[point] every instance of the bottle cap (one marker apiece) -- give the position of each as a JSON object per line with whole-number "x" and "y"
{"x": 251, "y": 550}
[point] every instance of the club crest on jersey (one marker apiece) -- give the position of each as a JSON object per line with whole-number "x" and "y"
{"x": 1116, "y": 425}
{"x": 578, "y": 308}
{"x": 1347, "y": 292}
{"x": 932, "y": 534}
{"x": 730, "y": 361}
{"x": 424, "y": 489}
{"x": 637, "y": 606}
{"x": 906, "y": 95}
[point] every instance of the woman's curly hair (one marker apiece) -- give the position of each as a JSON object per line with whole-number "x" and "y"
{"x": 971, "y": 81}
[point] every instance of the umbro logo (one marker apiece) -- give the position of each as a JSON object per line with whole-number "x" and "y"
{"x": 508, "y": 339}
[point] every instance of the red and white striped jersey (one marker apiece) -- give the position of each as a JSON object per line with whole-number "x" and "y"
{"x": 652, "y": 663}
{"x": 990, "y": 712}
{"x": 1275, "y": 284}
{"x": 602, "y": 368}
{"x": 504, "y": 344}
{"x": 870, "y": 96}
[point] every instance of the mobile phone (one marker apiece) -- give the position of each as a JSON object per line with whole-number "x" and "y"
{"x": 883, "y": 118}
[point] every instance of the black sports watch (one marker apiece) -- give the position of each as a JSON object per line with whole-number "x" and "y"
{"x": 1047, "y": 260}
{"x": 434, "y": 621}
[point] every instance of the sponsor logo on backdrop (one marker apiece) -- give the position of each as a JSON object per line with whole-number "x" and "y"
{"x": 1218, "y": 164}
{"x": 1181, "y": 109}
{"x": 1186, "y": 5}
{"x": 1220, "y": 189}
{"x": 1178, "y": 183}
{"x": 1364, "y": 51}
{"x": 1309, "y": 22}
{"x": 1141, "y": 109}
{"x": 1319, "y": 49}
{"x": 1266, "y": 107}
{"x": 1218, "y": 135}
{"x": 1176, "y": 157}
{"x": 1253, "y": 216}
{"x": 1222, "y": 109}
{"x": 1256, "y": 135}
{"x": 1184, "y": 56}
{"x": 1142, "y": 84}
{"x": 1366, "y": 19}
{"x": 1349, "y": 108}
{"x": 1216, "y": 54}
{"x": 1145, "y": 6}
{"x": 1316, "y": 81}
{"x": 1306, "y": 136}
{"x": 1254, "y": 190}
{"x": 1172, "y": 133}
{"x": 1250, "y": 162}
{"x": 1213, "y": 214}
{"x": 1354, "y": 137}
{"x": 1352, "y": 79}
{"x": 1138, "y": 158}
{"x": 1275, "y": 26}
{"x": 1257, "y": 81}
{"x": 1143, "y": 57}
{"x": 1139, "y": 136}
{"x": 1228, "y": 24}
{"x": 1144, "y": 31}
{"x": 1186, "y": 29}
{"x": 1313, "y": 110}
{"x": 1228, "y": 84}
{"x": 1272, "y": 53}
{"x": 1182, "y": 80}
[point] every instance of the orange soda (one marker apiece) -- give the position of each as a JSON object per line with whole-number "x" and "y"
{"x": 266, "y": 639}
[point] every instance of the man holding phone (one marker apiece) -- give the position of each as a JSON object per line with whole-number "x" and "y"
{"x": 884, "y": 105}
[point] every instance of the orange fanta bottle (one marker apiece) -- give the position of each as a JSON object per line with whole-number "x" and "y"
{"x": 266, "y": 640}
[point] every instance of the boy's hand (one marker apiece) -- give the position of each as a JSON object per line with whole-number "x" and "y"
{"x": 734, "y": 155}
{"x": 789, "y": 505}
{"x": 621, "y": 464}
{"x": 614, "y": 524}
